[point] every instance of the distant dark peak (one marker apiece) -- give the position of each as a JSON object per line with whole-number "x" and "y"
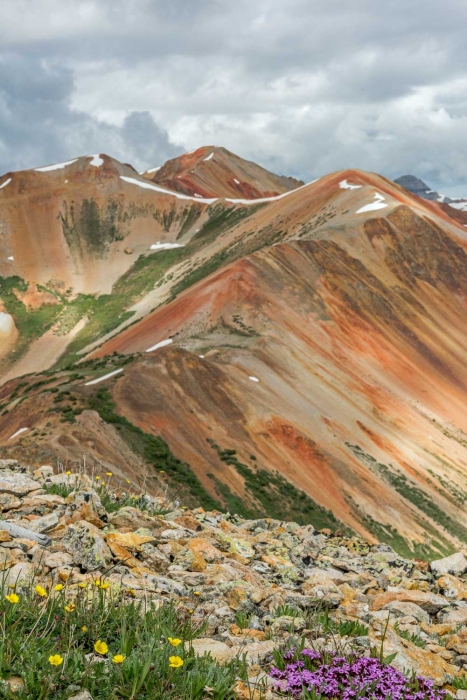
{"x": 416, "y": 186}
{"x": 412, "y": 183}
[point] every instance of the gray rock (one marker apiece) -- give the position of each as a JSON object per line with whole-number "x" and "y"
{"x": 12, "y": 465}
{"x": 164, "y": 585}
{"x": 456, "y": 564}
{"x": 85, "y": 544}
{"x": 402, "y": 609}
{"x": 287, "y": 623}
{"x": 20, "y": 574}
{"x": 8, "y": 502}
{"x": 454, "y": 614}
{"x": 17, "y": 531}
{"x": 17, "y": 483}
{"x": 84, "y": 695}
{"x": 58, "y": 559}
{"x": 45, "y": 523}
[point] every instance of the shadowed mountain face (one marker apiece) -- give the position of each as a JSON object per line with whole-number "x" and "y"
{"x": 299, "y": 355}
{"x": 416, "y": 186}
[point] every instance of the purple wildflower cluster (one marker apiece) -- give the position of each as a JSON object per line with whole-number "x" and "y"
{"x": 328, "y": 675}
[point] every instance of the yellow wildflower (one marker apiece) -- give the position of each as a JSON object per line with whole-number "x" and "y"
{"x": 71, "y": 607}
{"x": 196, "y": 593}
{"x": 162, "y": 471}
{"x": 12, "y": 585}
{"x": 84, "y": 628}
{"x": 130, "y": 591}
{"x": 97, "y": 478}
{"x": 103, "y": 483}
{"x": 41, "y": 591}
{"x": 174, "y": 641}
{"x": 128, "y": 481}
{"x": 175, "y": 661}
{"x": 68, "y": 473}
{"x": 59, "y": 587}
{"x": 191, "y": 612}
{"x": 108, "y": 474}
{"x": 82, "y": 584}
{"x": 118, "y": 659}
{"x": 12, "y": 598}
{"x": 56, "y": 660}
{"x": 101, "y": 647}
{"x": 101, "y": 584}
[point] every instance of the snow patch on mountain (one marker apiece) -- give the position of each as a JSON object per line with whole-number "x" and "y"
{"x": 6, "y": 323}
{"x": 106, "y": 376}
{"x": 150, "y": 186}
{"x": 344, "y": 185}
{"x": 162, "y": 344}
{"x": 97, "y": 161}
{"x": 4, "y": 184}
{"x": 166, "y": 246}
{"x": 18, "y": 432}
{"x": 56, "y": 166}
{"x": 460, "y": 206}
{"x": 378, "y": 204}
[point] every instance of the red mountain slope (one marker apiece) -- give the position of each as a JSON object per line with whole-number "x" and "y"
{"x": 320, "y": 335}
{"x": 212, "y": 171}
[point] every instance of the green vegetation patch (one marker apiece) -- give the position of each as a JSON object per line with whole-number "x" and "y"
{"x": 270, "y": 495}
{"x": 30, "y": 323}
{"x": 139, "y": 649}
{"x": 106, "y": 312}
{"x": 96, "y": 226}
{"x": 155, "y": 451}
{"x": 414, "y": 495}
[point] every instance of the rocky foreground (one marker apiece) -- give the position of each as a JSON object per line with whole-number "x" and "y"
{"x": 252, "y": 582}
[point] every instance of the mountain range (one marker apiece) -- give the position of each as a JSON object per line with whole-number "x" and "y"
{"x": 248, "y": 341}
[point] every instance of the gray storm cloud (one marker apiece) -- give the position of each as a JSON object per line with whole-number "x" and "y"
{"x": 303, "y": 87}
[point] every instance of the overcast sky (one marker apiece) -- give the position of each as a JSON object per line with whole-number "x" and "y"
{"x": 303, "y": 87}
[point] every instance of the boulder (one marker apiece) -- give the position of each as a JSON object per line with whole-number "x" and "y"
{"x": 218, "y": 650}
{"x": 86, "y": 505}
{"x": 403, "y": 609}
{"x": 452, "y": 587}
{"x": 455, "y": 614}
{"x": 132, "y": 518}
{"x": 130, "y": 540}
{"x": 43, "y": 472}
{"x": 409, "y": 657}
{"x": 85, "y": 544}
{"x": 20, "y": 574}
{"x": 43, "y": 524}
{"x": 427, "y": 601}
{"x": 16, "y": 483}
{"x": 455, "y": 564}
{"x": 56, "y": 560}
{"x": 11, "y": 464}
{"x": 325, "y": 591}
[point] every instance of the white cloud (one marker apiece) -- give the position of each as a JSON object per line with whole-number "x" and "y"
{"x": 302, "y": 87}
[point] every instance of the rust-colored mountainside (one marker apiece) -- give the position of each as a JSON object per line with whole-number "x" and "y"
{"x": 295, "y": 355}
{"x": 212, "y": 171}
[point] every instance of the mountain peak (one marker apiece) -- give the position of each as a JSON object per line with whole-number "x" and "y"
{"x": 421, "y": 189}
{"x": 213, "y": 171}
